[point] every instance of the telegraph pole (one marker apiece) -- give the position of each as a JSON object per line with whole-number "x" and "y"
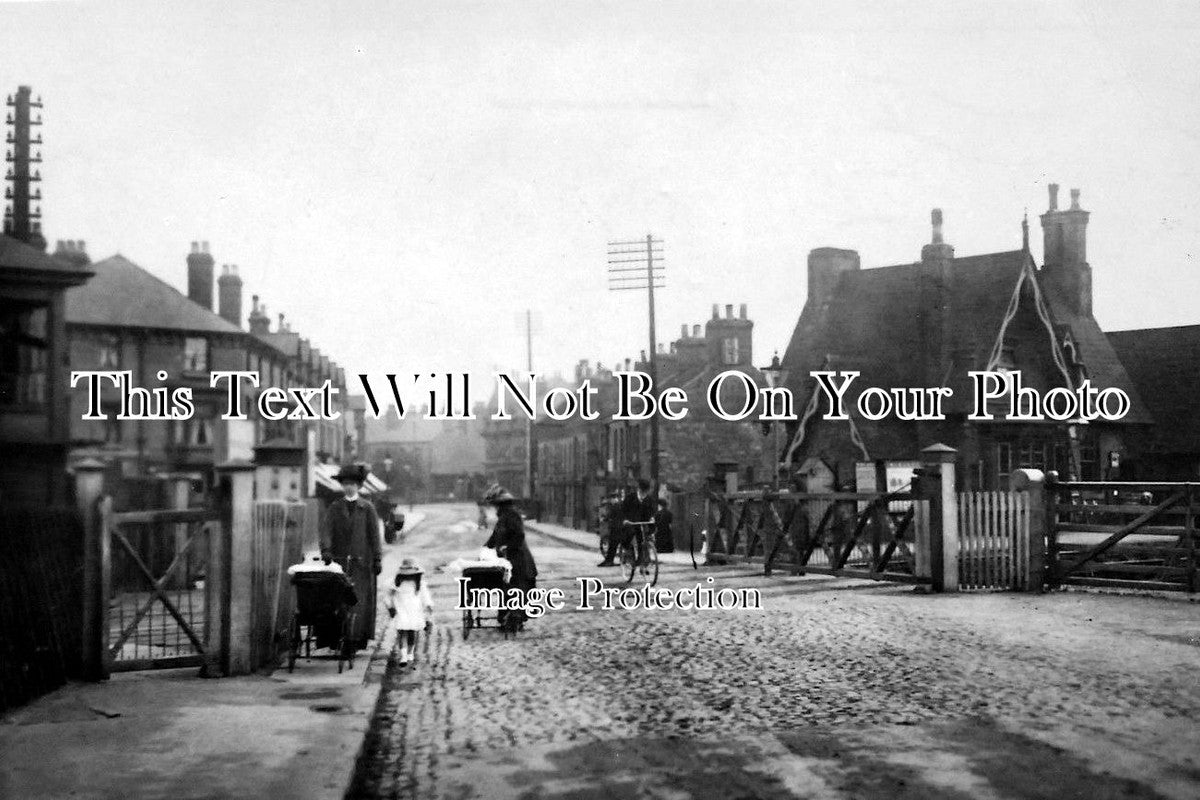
{"x": 529, "y": 422}
{"x": 650, "y": 277}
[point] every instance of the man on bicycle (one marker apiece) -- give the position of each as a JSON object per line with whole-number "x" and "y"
{"x": 636, "y": 507}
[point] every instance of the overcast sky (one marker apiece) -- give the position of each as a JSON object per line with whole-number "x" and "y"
{"x": 404, "y": 179}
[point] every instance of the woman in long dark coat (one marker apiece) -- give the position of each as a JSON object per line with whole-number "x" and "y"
{"x": 508, "y": 539}
{"x": 351, "y": 538}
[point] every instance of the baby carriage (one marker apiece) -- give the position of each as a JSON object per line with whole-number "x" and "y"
{"x": 495, "y": 577}
{"x": 324, "y": 616}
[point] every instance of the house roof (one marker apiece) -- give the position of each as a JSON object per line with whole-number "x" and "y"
{"x": 123, "y": 294}
{"x": 872, "y": 323}
{"x": 17, "y": 255}
{"x": 1162, "y": 363}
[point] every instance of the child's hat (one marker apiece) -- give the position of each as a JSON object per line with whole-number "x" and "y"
{"x": 409, "y": 567}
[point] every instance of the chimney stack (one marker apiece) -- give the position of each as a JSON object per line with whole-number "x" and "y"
{"x": 1064, "y": 253}
{"x": 73, "y": 252}
{"x": 825, "y": 268}
{"x": 937, "y": 251}
{"x": 260, "y": 323}
{"x": 200, "y": 275}
{"x": 229, "y": 295}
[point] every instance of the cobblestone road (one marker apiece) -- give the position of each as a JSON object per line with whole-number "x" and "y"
{"x": 834, "y": 689}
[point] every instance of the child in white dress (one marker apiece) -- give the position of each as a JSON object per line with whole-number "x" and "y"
{"x": 410, "y": 605}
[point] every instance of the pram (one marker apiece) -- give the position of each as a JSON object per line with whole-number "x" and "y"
{"x": 325, "y": 613}
{"x": 489, "y": 577}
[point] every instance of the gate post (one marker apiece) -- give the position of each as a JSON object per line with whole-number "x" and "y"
{"x": 938, "y": 465}
{"x": 1033, "y": 483}
{"x": 238, "y": 565}
{"x": 179, "y": 488}
{"x": 89, "y": 485}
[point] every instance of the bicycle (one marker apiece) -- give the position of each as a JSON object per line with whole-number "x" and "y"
{"x": 644, "y": 532}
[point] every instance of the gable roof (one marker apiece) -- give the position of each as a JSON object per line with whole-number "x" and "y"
{"x": 122, "y": 294}
{"x": 873, "y": 318}
{"x": 872, "y": 323}
{"x": 1162, "y": 363}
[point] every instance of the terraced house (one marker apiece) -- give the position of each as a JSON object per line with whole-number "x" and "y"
{"x": 127, "y": 318}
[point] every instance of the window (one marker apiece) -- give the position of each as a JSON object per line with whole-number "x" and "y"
{"x": 24, "y": 360}
{"x": 110, "y": 351}
{"x": 731, "y": 353}
{"x": 195, "y": 354}
{"x": 1003, "y": 464}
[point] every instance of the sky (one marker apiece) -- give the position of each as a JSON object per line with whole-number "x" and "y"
{"x": 403, "y": 180}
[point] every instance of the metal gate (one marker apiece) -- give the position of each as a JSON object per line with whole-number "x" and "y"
{"x": 852, "y": 534}
{"x": 1127, "y": 535}
{"x": 159, "y": 582}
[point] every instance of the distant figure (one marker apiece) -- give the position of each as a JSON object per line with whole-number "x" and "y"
{"x": 636, "y": 507}
{"x": 664, "y": 538}
{"x": 410, "y": 605}
{"x": 481, "y": 523}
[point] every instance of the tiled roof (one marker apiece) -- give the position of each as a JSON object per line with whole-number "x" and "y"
{"x": 15, "y": 254}
{"x": 125, "y": 295}
{"x": 1162, "y": 363}
{"x": 872, "y": 324}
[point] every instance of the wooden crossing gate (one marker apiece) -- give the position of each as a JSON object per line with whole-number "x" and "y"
{"x": 1126, "y": 535}
{"x": 868, "y": 535}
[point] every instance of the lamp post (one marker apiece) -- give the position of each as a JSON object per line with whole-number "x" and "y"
{"x": 775, "y": 374}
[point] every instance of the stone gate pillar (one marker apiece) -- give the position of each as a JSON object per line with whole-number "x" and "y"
{"x": 938, "y": 482}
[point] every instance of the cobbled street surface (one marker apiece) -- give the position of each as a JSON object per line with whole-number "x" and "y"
{"x": 837, "y": 688}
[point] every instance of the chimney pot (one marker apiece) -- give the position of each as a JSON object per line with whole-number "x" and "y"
{"x": 742, "y": 311}
{"x": 729, "y": 311}
{"x": 1054, "y": 197}
{"x": 81, "y": 245}
{"x": 204, "y": 246}
{"x": 683, "y": 331}
{"x": 195, "y": 247}
{"x": 1074, "y": 199}
{"x": 935, "y": 218}
{"x": 716, "y": 311}
{"x": 696, "y": 331}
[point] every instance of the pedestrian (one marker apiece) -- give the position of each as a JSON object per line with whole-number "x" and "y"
{"x": 481, "y": 522}
{"x": 636, "y": 507}
{"x": 351, "y": 538}
{"x": 508, "y": 540}
{"x": 664, "y": 538}
{"x": 410, "y": 606}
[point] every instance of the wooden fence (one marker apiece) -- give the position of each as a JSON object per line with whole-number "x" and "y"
{"x": 993, "y": 540}
{"x": 278, "y": 531}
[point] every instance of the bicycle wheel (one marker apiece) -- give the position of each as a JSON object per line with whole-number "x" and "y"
{"x": 628, "y": 562}
{"x": 651, "y": 567}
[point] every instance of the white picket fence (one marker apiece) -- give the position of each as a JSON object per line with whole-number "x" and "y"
{"x": 993, "y": 544}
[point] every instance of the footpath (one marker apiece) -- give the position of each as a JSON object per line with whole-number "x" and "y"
{"x": 589, "y": 540}
{"x": 158, "y": 734}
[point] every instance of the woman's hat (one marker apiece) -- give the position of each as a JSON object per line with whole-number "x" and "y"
{"x": 409, "y": 567}
{"x": 352, "y": 472}
{"x": 498, "y": 494}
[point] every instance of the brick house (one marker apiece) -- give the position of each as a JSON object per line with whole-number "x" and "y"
{"x": 927, "y": 324}
{"x": 129, "y": 319}
{"x": 1163, "y": 363}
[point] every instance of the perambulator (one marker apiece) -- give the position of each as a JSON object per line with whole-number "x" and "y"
{"x": 324, "y": 616}
{"x": 489, "y": 578}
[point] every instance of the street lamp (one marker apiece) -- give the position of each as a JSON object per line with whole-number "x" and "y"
{"x": 775, "y": 374}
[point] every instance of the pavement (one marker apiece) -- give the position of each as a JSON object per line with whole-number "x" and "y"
{"x": 169, "y": 734}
